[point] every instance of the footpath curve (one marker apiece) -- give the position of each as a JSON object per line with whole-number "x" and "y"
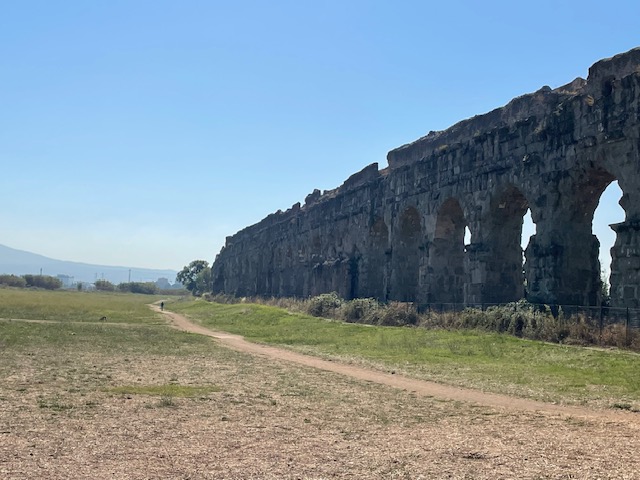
{"x": 417, "y": 386}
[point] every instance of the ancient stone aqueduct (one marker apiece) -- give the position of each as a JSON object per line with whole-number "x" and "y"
{"x": 398, "y": 233}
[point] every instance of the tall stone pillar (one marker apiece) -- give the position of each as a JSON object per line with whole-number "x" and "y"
{"x": 494, "y": 271}
{"x": 476, "y": 261}
{"x": 625, "y": 265}
{"x": 445, "y": 271}
{"x": 494, "y": 258}
{"x": 563, "y": 269}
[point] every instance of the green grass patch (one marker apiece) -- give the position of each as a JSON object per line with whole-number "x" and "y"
{"x": 167, "y": 390}
{"x": 118, "y": 340}
{"x": 73, "y": 306}
{"x": 54, "y": 403}
{"x": 489, "y": 361}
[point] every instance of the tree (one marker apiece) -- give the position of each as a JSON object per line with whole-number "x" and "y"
{"x": 105, "y": 286}
{"x": 42, "y": 281}
{"x": 12, "y": 281}
{"x": 196, "y": 277}
{"x": 146, "y": 288}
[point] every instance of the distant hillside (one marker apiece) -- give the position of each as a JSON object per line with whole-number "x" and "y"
{"x": 19, "y": 262}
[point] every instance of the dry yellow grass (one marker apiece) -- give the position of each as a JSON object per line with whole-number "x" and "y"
{"x": 268, "y": 419}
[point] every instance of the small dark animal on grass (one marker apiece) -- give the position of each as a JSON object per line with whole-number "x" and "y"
{"x": 103, "y": 319}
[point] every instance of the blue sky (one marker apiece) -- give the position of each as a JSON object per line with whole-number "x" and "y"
{"x": 142, "y": 133}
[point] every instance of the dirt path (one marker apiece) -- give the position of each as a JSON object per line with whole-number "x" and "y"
{"x": 420, "y": 387}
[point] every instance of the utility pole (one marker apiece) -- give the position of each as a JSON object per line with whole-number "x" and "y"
{"x": 129, "y": 275}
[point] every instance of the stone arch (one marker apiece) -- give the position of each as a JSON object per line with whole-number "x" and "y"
{"x": 623, "y": 279}
{"x": 562, "y": 259}
{"x": 584, "y": 269}
{"x": 608, "y": 212}
{"x": 446, "y": 270}
{"x": 621, "y": 159}
{"x": 406, "y": 256}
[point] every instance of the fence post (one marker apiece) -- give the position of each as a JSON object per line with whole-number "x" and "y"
{"x": 627, "y": 328}
{"x": 601, "y": 322}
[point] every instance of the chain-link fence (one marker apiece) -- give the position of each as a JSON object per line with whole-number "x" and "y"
{"x": 598, "y": 317}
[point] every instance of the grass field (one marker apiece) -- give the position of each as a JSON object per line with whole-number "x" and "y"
{"x": 139, "y": 400}
{"x": 66, "y": 345}
{"x": 71, "y": 306}
{"x": 490, "y": 362}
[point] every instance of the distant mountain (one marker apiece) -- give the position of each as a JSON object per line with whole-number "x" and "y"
{"x": 19, "y": 262}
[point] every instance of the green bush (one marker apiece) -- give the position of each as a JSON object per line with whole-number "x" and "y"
{"x": 396, "y": 314}
{"x": 105, "y": 286}
{"x": 43, "y": 281}
{"x": 359, "y": 310}
{"x": 146, "y": 288}
{"x": 324, "y": 305}
{"x": 13, "y": 281}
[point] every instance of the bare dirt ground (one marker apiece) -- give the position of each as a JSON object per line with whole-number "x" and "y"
{"x": 420, "y": 387}
{"x": 280, "y": 415}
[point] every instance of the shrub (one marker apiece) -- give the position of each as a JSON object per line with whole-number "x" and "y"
{"x": 324, "y": 305}
{"x": 147, "y": 288}
{"x": 13, "y": 281}
{"x": 221, "y": 298}
{"x": 43, "y": 281}
{"x": 617, "y": 335}
{"x": 105, "y": 286}
{"x": 581, "y": 332}
{"x": 359, "y": 310}
{"x": 396, "y": 314}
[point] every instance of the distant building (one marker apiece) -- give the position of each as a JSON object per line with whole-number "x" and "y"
{"x": 163, "y": 283}
{"x": 67, "y": 281}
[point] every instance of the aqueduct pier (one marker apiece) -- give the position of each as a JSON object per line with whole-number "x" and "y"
{"x": 398, "y": 233}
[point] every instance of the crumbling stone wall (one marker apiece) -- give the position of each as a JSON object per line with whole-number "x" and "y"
{"x": 398, "y": 233}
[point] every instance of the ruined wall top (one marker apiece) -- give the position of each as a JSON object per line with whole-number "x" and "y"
{"x": 616, "y": 67}
{"x": 537, "y": 104}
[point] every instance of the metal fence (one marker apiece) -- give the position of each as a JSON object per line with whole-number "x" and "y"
{"x": 594, "y": 316}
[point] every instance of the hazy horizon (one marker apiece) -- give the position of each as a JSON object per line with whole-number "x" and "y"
{"x": 22, "y": 262}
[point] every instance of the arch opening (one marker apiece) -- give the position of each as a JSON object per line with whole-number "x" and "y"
{"x": 607, "y": 212}
{"x": 528, "y": 230}
{"x": 467, "y": 237}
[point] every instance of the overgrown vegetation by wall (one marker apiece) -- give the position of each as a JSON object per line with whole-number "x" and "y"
{"x": 520, "y": 319}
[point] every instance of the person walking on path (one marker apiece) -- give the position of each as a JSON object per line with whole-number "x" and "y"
{"x": 161, "y": 306}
